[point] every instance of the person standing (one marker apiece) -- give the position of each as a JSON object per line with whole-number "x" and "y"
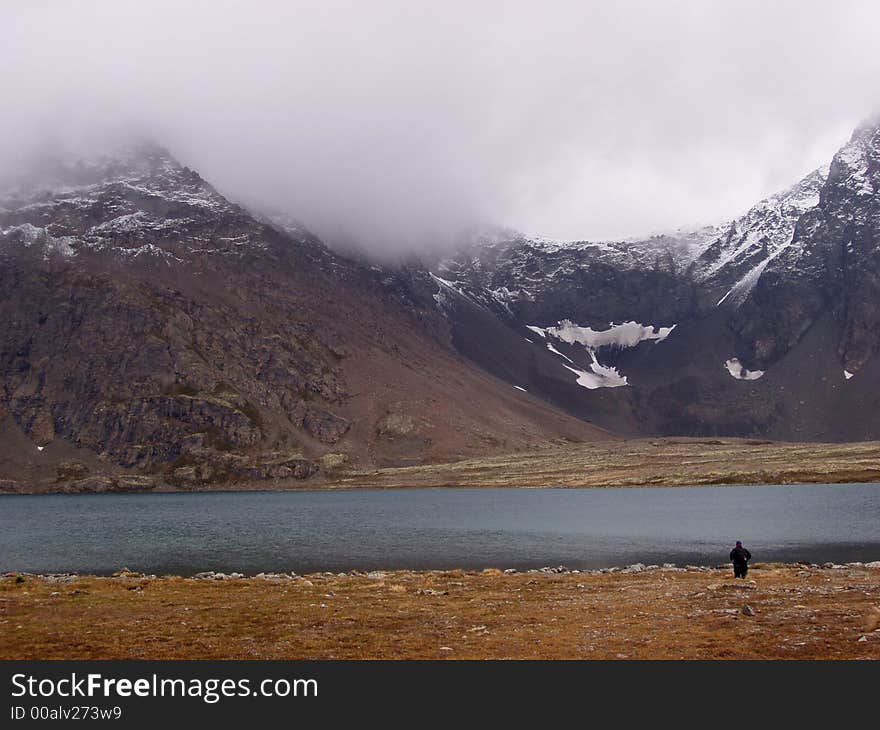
{"x": 740, "y": 557}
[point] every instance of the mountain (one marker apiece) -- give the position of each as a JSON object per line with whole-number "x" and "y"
{"x": 764, "y": 325}
{"x": 158, "y": 335}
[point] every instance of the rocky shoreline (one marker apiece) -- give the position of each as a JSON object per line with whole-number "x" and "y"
{"x": 126, "y": 574}
{"x": 782, "y": 611}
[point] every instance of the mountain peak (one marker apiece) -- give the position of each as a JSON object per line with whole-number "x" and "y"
{"x": 856, "y": 166}
{"x": 130, "y": 199}
{"x": 867, "y": 128}
{"x": 60, "y": 167}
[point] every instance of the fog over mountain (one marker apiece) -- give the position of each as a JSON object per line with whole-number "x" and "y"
{"x": 175, "y": 316}
{"x": 391, "y": 125}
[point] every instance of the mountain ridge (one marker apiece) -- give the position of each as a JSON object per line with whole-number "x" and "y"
{"x": 742, "y": 296}
{"x": 160, "y": 335}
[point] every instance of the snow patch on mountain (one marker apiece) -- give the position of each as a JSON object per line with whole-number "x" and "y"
{"x": 440, "y": 297}
{"x": 556, "y": 352}
{"x": 29, "y": 235}
{"x": 626, "y": 334}
{"x": 148, "y": 249}
{"x": 599, "y": 376}
{"x": 738, "y": 370}
{"x": 537, "y": 330}
{"x": 740, "y": 291}
{"x": 122, "y": 224}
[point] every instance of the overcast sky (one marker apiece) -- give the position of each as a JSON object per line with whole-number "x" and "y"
{"x": 395, "y": 123}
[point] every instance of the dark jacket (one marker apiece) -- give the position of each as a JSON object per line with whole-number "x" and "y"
{"x": 740, "y": 556}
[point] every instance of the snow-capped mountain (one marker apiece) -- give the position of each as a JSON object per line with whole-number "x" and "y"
{"x": 832, "y": 266}
{"x": 734, "y": 254}
{"x": 768, "y": 320}
{"x": 156, "y": 333}
{"x": 138, "y": 202}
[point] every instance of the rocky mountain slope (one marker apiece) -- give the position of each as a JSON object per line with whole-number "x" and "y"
{"x": 157, "y": 335}
{"x": 765, "y": 325}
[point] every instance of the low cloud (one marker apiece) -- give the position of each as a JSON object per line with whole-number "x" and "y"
{"x": 392, "y": 125}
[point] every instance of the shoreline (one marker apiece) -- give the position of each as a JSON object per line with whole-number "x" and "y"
{"x": 781, "y": 611}
{"x": 632, "y": 568}
{"x": 125, "y": 573}
{"x": 346, "y": 487}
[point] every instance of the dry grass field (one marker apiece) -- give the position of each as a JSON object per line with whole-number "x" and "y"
{"x": 794, "y": 612}
{"x": 642, "y": 462}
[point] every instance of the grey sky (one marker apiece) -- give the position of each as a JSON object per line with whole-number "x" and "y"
{"x": 397, "y": 122}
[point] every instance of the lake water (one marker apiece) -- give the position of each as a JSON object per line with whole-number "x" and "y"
{"x": 307, "y": 531}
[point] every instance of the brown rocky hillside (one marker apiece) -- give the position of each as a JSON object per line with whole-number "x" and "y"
{"x": 157, "y": 334}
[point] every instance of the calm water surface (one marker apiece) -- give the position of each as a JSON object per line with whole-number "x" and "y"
{"x": 435, "y": 528}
